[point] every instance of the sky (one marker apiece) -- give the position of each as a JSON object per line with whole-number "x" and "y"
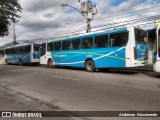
{"x": 45, "y": 19}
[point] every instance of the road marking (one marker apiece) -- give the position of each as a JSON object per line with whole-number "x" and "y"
{"x": 16, "y": 70}
{"x": 66, "y": 78}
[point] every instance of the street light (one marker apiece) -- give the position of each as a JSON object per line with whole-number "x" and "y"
{"x": 88, "y": 19}
{"x": 87, "y": 8}
{"x": 67, "y": 5}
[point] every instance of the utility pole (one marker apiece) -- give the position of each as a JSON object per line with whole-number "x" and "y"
{"x": 89, "y": 17}
{"x": 14, "y": 34}
{"x": 89, "y": 9}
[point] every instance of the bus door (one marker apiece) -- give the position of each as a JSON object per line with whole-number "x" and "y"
{"x": 36, "y": 54}
{"x": 156, "y": 66}
{"x": 141, "y": 47}
{"x": 158, "y": 44}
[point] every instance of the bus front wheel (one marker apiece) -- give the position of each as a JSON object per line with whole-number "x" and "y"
{"x": 50, "y": 63}
{"x": 90, "y": 66}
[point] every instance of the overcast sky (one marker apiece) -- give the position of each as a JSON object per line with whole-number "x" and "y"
{"x": 47, "y": 18}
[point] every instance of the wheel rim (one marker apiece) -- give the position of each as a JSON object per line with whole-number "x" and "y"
{"x": 89, "y": 66}
{"x": 50, "y": 64}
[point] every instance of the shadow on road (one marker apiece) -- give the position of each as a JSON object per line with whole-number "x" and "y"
{"x": 127, "y": 71}
{"x": 152, "y": 74}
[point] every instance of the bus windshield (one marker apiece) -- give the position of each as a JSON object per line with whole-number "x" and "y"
{"x": 141, "y": 36}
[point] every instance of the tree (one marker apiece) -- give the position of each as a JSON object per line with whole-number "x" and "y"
{"x": 9, "y": 10}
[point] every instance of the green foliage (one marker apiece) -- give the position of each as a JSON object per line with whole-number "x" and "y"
{"x": 9, "y": 10}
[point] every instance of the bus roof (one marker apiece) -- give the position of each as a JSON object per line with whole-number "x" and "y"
{"x": 91, "y": 34}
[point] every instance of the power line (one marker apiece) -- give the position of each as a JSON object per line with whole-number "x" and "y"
{"x": 80, "y": 24}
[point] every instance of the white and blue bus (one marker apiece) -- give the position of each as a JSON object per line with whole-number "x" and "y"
{"x": 156, "y": 66}
{"x": 118, "y": 48}
{"x": 23, "y": 54}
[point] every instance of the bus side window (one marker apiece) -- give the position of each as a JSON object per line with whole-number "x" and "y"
{"x": 66, "y": 45}
{"x": 75, "y": 44}
{"x": 87, "y": 43}
{"x": 113, "y": 43}
{"x": 57, "y": 46}
{"x": 23, "y": 49}
{"x": 19, "y": 50}
{"x": 71, "y": 46}
{"x": 119, "y": 39}
{"x": 49, "y": 47}
{"x": 15, "y": 50}
{"x": 101, "y": 41}
{"x": 27, "y": 49}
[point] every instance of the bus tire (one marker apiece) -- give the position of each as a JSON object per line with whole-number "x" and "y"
{"x": 50, "y": 63}
{"x": 20, "y": 62}
{"x": 90, "y": 66}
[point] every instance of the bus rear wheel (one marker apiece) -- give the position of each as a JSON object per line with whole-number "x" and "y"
{"x": 50, "y": 63}
{"x": 90, "y": 66}
{"x": 7, "y": 62}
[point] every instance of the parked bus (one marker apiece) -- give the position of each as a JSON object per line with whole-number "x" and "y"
{"x": 23, "y": 54}
{"x": 156, "y": 66}
{"x": 118, "y": 48}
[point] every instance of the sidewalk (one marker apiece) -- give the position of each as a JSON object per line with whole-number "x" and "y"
{"x": 12, "y": 101}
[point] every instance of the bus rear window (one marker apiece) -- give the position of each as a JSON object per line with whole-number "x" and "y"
{"x": 141, "y": 36}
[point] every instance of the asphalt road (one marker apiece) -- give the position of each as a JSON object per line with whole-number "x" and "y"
{"x": 76, "y": 90}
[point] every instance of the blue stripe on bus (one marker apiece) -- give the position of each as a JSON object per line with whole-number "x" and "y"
{"x": 113, "y": 57}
